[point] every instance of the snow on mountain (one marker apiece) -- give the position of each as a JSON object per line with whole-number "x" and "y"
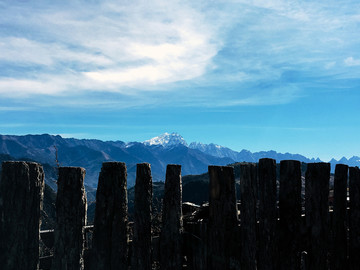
{"x": 90, "y": 154}
{"x": 159, "y": 151}
{"x": 214, "y": 150}
{"x": 167, "y": 140}
{"x": 245, "y": 155}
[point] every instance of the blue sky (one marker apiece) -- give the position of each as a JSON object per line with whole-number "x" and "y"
{"x": 257, "y": 75}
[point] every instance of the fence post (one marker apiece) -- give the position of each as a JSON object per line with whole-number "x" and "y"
{"x": 21, "y": 197}
{"x": 110, "y": 237}
{"x": 172, "y": 223}
{"x": 267, "y": 214}
{"x": 317, "y": 213}
{"x": 354, "y": 221}
{"x": 248, "y": 193}
{"x": 222, "y": 217}
{"x": 141, "y": 255}
{"x": 290, "y": 215}
{"x": 338, "y": 258}
{"x": 70, "y": 219}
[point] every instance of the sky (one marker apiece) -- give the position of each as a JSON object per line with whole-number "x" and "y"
{"x": 256, "y": 75}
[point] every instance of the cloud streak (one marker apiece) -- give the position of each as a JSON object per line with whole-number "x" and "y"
{"x": 125, "y": 45}
{"x": 139, "y": 50}
{"x": 351, "y": 62}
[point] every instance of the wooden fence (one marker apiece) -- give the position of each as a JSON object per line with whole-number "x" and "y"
{"x": 265, "y": 229}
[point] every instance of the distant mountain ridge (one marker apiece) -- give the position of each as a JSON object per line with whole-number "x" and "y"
{"x": 158, "y": 151}
{"x": 246, "y": 155}
{"x": 90, "y": 154}
{"x": 167, "y": 140}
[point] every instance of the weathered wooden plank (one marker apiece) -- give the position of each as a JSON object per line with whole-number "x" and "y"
{"x": 45, "y": 262}
{"x": 71, "y": 210}
{"x": 195, "y": 244}
{"x": 317, "y": 213}
{"x": 338, "y": 258}
{"x": 290, "y": 215}
{"x": 21, "y": 197}
{"x": 248, "y": 194}
{"x": 267, "y": 253}
{"x": 172, "y": 223}
{"x": 141, "y": 251}
{"x": 110, "y": 237}
{"x": 354, "y": 221}
{"x": 222, "y": 216}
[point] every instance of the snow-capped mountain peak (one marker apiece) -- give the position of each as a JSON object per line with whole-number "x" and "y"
{"x": 167, "y": 140}
{"x": 203, "y": 147}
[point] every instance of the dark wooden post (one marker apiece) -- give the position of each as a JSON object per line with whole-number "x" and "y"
{"x": 141, "y": 255}
{"x": 70, "y": 220}
{"x": 110, "y": 237}
{"x": 172, "y": 224}
{"x": 290, "y": 215}
{"x": 267, "y": 252}
{"x": 317, "y": 213}
{"x": 248, "y": 193}
{"x": 338, "y": 258}
{"x": 354, "y": 222}
{"x": 21, "y": 197}
{"x": 222, "y": 217}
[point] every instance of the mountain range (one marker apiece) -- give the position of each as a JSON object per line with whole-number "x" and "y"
{"x": 159, "y": 151}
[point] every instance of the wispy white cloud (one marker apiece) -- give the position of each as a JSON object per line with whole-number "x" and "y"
{"x": 133, "y": 48}
{"x": 350, "y": 61}
{"x": 132, "y": 44}
{"x": 14, "y": 108}
{"x": 273, "y": 96}
{"x": 29, "y": 52}
{"x": 25, "y": 87}
{"x": 330, "y": 65}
